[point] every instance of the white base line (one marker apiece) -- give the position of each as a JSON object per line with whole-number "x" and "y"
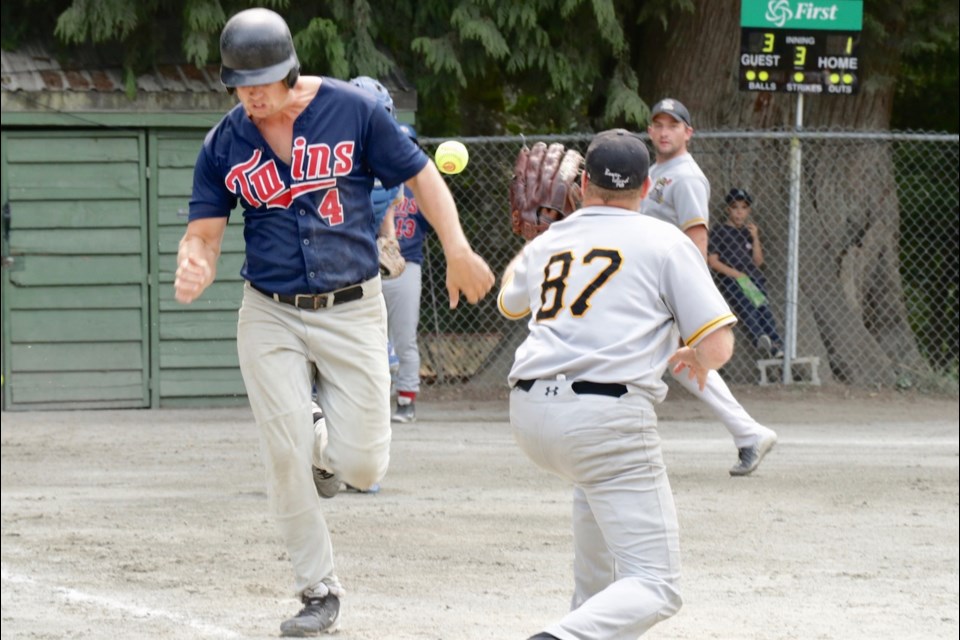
{"x": 938, "y": 444}
{"x": 72, "y": 595}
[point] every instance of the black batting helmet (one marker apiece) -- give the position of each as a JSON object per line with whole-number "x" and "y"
{"x": 256, "y": 48}
{"x": 379, "y": 91}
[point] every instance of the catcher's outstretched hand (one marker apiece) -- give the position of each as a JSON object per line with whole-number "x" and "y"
{"x": 686, "y": 358}
{"x": 468, "y": 273}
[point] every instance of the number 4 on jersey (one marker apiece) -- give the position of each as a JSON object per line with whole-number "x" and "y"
{"x": 330, "y": 209}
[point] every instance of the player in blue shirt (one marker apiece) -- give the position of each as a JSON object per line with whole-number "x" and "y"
{"x": 735, "y": 253}
{"x": 300, "y": 154}
{"x": 402, "y": 295}
{"x": 391, "y": 264}
{"x": 401, "y": 224}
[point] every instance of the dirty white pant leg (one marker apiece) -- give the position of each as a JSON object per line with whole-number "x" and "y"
{"x": 717, "y": 395}
{"x": 277, "y": 375}
{"x": 348, "y": 343}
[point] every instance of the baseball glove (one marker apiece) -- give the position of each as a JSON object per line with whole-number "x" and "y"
{"x": 544, "y": 188}
{"x": 392, "y": 263}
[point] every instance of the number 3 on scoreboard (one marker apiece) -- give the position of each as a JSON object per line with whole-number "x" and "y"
{"x": 799, "y": 55}
{"x": 768, "y": 43}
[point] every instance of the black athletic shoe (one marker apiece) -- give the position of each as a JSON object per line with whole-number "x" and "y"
{"x": 405, "y": 413}
{"x": 543, "y": 635}
{"x": 319, "y": 615}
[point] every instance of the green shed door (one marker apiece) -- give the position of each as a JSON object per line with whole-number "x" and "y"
{"x": 75, "y": 321}
{"x": 196, "y": 343}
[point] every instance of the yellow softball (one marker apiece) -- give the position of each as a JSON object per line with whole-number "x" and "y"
{"x": 451, "y": 156}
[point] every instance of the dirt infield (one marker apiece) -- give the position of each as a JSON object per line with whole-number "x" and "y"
{"x": 154, "y": 524}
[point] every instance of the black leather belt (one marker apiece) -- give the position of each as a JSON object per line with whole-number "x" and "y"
{"x": 584, "y": 387}
{"x": 314, "y": 301}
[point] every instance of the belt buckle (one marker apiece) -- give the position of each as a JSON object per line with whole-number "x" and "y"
{"x": 316, "y": 301}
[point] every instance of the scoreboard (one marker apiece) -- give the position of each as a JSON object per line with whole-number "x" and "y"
{"x": 814, "y": 57}
{"x": 799, "y": 61}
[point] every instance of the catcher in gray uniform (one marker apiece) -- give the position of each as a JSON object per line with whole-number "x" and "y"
{"x": 606, "y": 291}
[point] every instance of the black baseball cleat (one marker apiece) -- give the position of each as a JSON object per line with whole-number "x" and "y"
{"x": 405, "y": 413}
{"x": 319, "y": 615}
{"x": 543, "y": 635}
{"x": 750, "y": 457}
{"x": 327, "y": 484}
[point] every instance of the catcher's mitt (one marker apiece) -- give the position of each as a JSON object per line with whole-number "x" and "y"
{"x": 392, "y": 263}
{"x": 544, "y": 188}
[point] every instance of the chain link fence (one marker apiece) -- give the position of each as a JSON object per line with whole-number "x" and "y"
{"x": 875, "y": 302}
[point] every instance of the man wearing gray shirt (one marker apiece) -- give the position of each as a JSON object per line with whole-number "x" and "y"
{"x": 680, "y": 194}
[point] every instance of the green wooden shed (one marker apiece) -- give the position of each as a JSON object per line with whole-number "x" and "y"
{"x": 95, "y": 187}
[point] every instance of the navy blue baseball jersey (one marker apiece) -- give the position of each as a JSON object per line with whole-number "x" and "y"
{"x": 734, "y": 247}
{"x": 411, "y": 227}
{"x": 308, "y": 226}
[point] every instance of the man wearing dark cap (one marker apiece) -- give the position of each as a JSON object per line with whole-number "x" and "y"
{"x": 736, "y": 255}
{"x": 680, "y": 194}
{"x": 607, "y": 290}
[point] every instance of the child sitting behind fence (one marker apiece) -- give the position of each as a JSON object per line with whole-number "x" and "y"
{"x": 736, "y": 255}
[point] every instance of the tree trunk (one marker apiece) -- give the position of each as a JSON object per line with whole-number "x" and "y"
{"x": 852, "y": 310}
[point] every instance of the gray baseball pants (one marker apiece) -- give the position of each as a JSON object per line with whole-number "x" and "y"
{"x": 279, "y": 346}
{"x": 625, "y": 531}
{"x": 402, "y": 295}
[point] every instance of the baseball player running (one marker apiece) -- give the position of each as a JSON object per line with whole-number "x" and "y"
{"x": 402, "y": 295}
{"x": 391, "y": 262}
{"x": 607, "y": 290}
{"x": 680, "y": 195}
{"x": 402, "y": 229}
{"x": 300, "y": 155}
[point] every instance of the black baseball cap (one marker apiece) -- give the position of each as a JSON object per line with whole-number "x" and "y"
{"x": 674, "y": 109}
{"x": 738, "y": 194}
{"x": 617, "y": 160}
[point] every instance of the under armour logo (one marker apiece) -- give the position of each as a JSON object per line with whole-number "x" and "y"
{"x": 551, "y": 391}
